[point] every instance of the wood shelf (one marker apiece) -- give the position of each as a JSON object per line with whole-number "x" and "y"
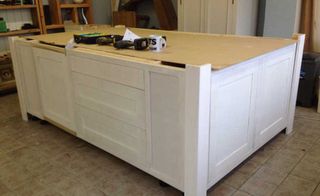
{"x": 13, "y": 7}
{"x": 7, "y": 85}
{"x": 19, "y": 32}
{"x": 55, "y": 26}
{"x": 74, "y": 5}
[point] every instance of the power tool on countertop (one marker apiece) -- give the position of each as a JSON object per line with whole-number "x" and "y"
{"x": 137, "y": 44}
{"x": 116, "y": 40}
{"x": 109, "y": 39}
{"x": 91, "y": 38}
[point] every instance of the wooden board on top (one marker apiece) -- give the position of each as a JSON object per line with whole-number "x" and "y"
{"x": 187, "y": 48}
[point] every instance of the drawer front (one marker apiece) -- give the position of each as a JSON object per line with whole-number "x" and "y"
{"x": 116, "y": 137}
{"x": 111, "y": 99}
{"x": 128, "y": 76}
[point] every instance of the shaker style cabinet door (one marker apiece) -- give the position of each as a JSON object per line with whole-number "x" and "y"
{"x": 273, "y": 103}
{"x": 55, "y": 87}
{"x": 219, "y": 17}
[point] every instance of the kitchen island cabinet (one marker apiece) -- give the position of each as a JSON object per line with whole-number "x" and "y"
{"x": 187, "y": 115}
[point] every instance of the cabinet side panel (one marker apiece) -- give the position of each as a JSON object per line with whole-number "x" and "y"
{"x": 231, "y": 125}
{"x": 55, "y": 87}
{"x": 166, "y": 121}
{"x": 27, "y": 62}
{"x": 274, "y": 96}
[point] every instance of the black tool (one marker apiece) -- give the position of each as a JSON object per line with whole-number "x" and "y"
{"x": 137, "y": 44}
{"x": 88, "y": 38}
{"x": 91, "y": 38}
{"x": 109, "y": 39}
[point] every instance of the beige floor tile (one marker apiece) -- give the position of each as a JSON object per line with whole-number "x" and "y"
{"x": 68, "y": 186}
{"x": 221, "y": 190}
{"x": 168, "y": 191}
{"x": 270, "y": 176}
{"x": 81, "y": 191}
{"x": 285, "y": 160}
{"x": 47, "y": 192}
{"x": 278, "y": 141}
{"x": 9, "y": 144}
{"x": 249, "y": 167}
{"x": 30, "y": 187}
{"x": 4, "y": 159}
{"x": 263, "y": 154}
{"x": 93, "y": 176}
{"x": 314, "y": 153}
{"x": 10, "y": 194}
{"x": 258, "y": 187}
{"x": 295, "y": 186}
{"x": 299, "y": 144}
{"x": 112, "y": 185}
{"x": 317, "y": 191}
{"x": 52, "y": 177}
{"x": 236, "y": 179}
{"x": 13, "y": 175}
{"x": 308, "y": 169}
{"x": 3, "y": 189}
{"x": 241, "y": 193}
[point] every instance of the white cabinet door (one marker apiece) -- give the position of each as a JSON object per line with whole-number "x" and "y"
{"x": 55, "y": 87}
{"x": 273, "y": 102}
{"x": 232, "y": 120}
{"x": 218, "y": 16}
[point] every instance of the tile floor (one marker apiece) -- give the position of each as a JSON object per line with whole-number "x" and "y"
{"x": 44, "y": 160}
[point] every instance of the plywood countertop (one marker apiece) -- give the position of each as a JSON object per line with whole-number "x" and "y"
{"x": 187, "y": 48}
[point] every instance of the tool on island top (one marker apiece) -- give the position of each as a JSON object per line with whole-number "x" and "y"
{"x": 91, "y": 38}
{"x": 137, "y": 44}
{"x": 128, "y": 40}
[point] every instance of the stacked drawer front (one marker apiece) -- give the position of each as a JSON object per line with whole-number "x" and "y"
{"x": 110, "y": 106}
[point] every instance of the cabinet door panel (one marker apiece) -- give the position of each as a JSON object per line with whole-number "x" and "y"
{"x": 118, "y": 101}
{"x": 55, "y": 86}
{"x": 231, "y": 126}
{"x": 272, "y": 105}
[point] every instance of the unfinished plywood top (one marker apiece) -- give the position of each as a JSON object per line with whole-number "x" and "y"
{"x": 187, "y": 48}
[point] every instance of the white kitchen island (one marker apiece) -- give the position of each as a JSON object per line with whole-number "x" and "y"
{"x": 187, "y": 115}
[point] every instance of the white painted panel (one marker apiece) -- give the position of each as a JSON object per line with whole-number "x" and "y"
{"x": 114, "y": 100}
{"x": 166, "y": 127}
{"x": 26, "y": 60}
{"x": 109, "y": 71}
{"x": 231, "y": 130}
{"x": 273, "y": 101}
{"x": 55, "y": 86}
{"x": 114, "y": 136}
